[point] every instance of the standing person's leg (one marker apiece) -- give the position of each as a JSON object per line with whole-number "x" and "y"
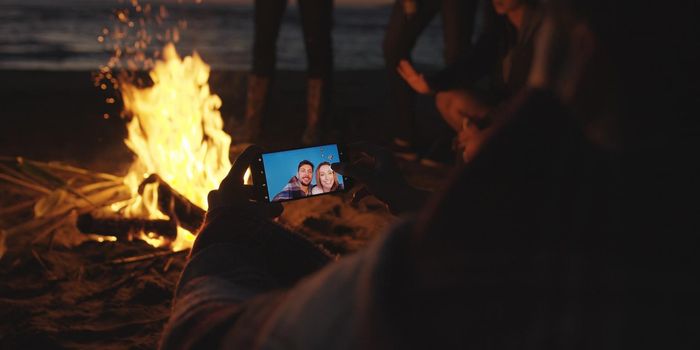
{"x": 399, "y": 40}
{"x": 458, "y": 17}
{"x": 268, "y": 17}
{"x": 317, "y": 24}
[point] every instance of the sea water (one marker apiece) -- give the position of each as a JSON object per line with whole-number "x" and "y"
{"x": 63, "y": 35}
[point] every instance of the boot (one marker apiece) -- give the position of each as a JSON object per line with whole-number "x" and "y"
{"x": 316, "y": 108}
{"x": 255, "y": 107}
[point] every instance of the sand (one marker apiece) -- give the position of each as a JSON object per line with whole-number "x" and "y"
{"x": 84, "y": 297}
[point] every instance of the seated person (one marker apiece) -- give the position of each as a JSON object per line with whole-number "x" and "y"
{"x": 326, "y": 180}
{"x": 299, "y": 185}
{"x": 496, "y": 69}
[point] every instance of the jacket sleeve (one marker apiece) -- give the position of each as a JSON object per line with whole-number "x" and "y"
{"x": 240, "y": 257}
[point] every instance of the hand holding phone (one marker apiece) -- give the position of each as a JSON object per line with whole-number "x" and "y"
{"x": 232, "y": 192}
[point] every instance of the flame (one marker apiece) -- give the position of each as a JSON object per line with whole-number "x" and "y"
{"x": 176, "y": 131}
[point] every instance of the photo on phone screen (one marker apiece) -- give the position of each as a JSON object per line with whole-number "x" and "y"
{"x": 302, "y": 173}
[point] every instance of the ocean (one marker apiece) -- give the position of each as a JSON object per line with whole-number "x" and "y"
{"x": 63, "y": 35}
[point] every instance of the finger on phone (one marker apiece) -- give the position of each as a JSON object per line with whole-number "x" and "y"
{"x": 235, "y": 176}
{"x": 339, "y": 168}
{"x": 358, "y": 172}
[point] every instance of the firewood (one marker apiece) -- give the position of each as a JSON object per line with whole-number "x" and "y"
{"x": 25, "y": 184}
{"x": 175, "y": 205}
{"x": 18, "y": 207}
{"x": 134, "y": 259}
{"x": 123, "y": 228}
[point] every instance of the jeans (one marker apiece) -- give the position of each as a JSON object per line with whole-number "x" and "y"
{"x": 316, "y": 23}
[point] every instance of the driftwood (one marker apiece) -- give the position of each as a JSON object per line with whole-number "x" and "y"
{"x": 18, "y": 207}
{"x": 124, "y": 228}
{"x": 134, "y": 259}
{"x": 175, "y": 205}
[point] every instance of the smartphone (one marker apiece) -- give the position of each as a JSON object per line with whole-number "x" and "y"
{"x": 299, "y": 173}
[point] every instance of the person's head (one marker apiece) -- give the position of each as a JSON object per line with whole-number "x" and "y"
{"x": 305, "y": 172}
{"x": 326, "y": 178}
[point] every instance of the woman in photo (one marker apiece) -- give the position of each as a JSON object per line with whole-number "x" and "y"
{"x": 326, "y": 180}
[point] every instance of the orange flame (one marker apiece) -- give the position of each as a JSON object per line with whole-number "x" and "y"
{"x": 176, "y": 131}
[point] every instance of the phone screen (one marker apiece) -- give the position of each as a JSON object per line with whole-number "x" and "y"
{"x": 302, "y": 173}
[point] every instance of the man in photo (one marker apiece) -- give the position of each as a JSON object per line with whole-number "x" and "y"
{"x": 299, "y": 185}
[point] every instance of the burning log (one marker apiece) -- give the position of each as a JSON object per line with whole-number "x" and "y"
{"x": 175, "y": 205}
{"x": 124, "y": 228}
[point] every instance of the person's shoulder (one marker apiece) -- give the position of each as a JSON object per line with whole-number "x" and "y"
{"x": 282, "y": 195}
{"x": 316, "y": 190}
{"x": 290, "y": 185}
{"x": 287, "y": 192}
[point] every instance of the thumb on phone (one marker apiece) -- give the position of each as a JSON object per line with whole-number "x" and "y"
{"x": 233, "y": 192}
{"x": 357, "y": 172}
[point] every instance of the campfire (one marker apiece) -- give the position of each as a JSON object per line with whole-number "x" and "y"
{"x": 175, "y": 131}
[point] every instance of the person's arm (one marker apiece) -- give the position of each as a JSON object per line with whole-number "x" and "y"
{"x": 239, "y": 257}
{"x": 231, "y": 295}
{"x": 239, "y": 254}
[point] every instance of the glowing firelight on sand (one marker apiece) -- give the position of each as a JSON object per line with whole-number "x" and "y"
{"x": 176, "y": 131}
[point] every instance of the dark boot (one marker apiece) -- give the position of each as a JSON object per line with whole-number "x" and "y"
{"x": 255, "y": 107}
{"x": 316, "y": 110}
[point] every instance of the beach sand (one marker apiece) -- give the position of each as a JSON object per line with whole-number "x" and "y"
{"x": 56, "y": 297}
